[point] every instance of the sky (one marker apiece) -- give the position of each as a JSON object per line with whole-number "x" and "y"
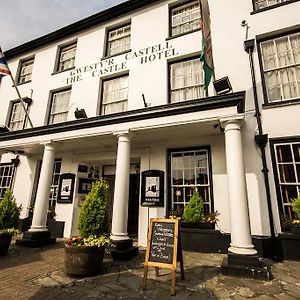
{"x": 24, "y": 20}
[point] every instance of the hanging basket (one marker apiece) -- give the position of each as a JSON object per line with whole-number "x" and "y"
{"x": 83, "y": 261}
{"x": 5, "y": 240}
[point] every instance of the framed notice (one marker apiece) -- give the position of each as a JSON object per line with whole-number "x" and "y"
{"x": 66, "y": 188}
{"x": 152, "y": 188}
{"x": 85, "y": 185}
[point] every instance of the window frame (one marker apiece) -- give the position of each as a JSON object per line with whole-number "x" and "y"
{"x": 20, "y": 67}
{"x": 174, "y": 7}
{"x": 255, "y": 10}
{"x": 60, "y": 48}
{"x": 172, "y": 62}
{"x": 12, "y": 177}
{"x": 102, "y": 92}
{"x": 276, "y": 171}
{"x": 210, "y": 175}
{"x": 53, "y": 198}
{"x": 108, "y": 30}
{"x": 51, "y": 96}
{"x": 272, "y": 37}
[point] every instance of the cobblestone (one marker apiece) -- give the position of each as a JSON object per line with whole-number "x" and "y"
{"x": 38, "y": 274}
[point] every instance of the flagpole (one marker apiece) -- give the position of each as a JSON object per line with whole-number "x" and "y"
{"x": 21, "y": 100}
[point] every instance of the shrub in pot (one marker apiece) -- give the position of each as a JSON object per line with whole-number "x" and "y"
{"x": 9, "y": 218}
{"x": 84, "y": 254}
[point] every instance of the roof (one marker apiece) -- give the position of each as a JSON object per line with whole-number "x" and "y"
{"x": 86, "y": 23}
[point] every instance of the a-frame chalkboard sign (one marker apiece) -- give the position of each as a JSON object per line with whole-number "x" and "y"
{"x": 164, "y": 249}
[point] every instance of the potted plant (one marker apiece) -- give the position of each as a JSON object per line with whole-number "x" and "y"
{"x": 9, "y": 217}
{"x": 295, "y": 226}
{"x": 84, "y": 254}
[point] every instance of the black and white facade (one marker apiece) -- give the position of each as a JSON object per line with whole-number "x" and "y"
{"x": 136, "y": 72}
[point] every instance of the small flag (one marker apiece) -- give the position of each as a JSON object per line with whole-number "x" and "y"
{"x": 4, "y": 70}
{"x": 206, "y": 56}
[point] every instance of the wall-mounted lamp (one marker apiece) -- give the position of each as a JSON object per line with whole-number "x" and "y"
{"x": 15, "y": 161}
{"x": 137, "y": 168}
{"x": 80, "y": 113}
{"x": 4, "y": 129}
{"x": 222, "y": 86}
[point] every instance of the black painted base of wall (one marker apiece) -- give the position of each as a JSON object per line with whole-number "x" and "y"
{"x": 290, "y": 246}
{"x": 123, "y": 249}
{"x": 34, "y": 239}
{"x": 245, "y": 265}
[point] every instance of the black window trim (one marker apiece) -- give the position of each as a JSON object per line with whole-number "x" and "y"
{"x": 255, "y": 11}
{"x": 21, "y": 61}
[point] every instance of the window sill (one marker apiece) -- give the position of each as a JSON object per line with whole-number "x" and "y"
{"x": 21, "y": 83}
{"x": 57, "y": 72}
{"x": 117, "y": 54}
{"x": 182, "y": 34}
{"x": 280, "y": 104}
{"x": 272, "y": 6}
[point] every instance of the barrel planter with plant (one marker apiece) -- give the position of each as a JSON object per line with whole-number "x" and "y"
{"x": 9, "y": 217}
{"x": 84, "y": 254}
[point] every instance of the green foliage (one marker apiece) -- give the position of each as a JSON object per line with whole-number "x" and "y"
{"x": 193, "y": 212}
{"x": 9, "y": 211}
{"x": 93, "y": 217}
{"x": 295, "y": 203}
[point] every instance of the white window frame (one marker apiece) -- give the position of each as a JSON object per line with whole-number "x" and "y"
{"x": 54, "y": 113}
{"x": 114, "y": 104}
{"x": 118, "y": 40}
{"x": 25, "y": 71}
{"x": 182, "y": 198}
{"x": 185, "y": 18}
{"x": 54, "y": 183}
{"x": 66, "y": 60}
{"x": 260, "y": 4}
{"x": 182, "y": 92}
{"x": 17, "y": 116}
{"x": 293, "y": 67}
{"x": 283, "y": 183}
{"x": 7, "y": 174}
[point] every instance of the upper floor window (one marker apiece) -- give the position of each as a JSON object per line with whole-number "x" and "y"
{"x": 6, "y": 177}
{"x": 66, "y": 58}
{"x": 17, "y": 116}
{"x": 115, "y": 94}
{"x": 260, "y": 4}
{"x": 118, "y": 40}
{"x": 186, "y": 80}
{"x": 185, "y": 18}
{"x": 281, "y": 67}
{"x": 25, "y": 70}
{"x": 59, "y": 106}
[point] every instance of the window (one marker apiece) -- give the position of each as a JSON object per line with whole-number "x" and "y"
{"x": 7, "y": 171}
{"x": 186, "y": 80}
{"x": 287, "y": 156}
{"x": 281, "y": 67}
{"x": 115, "y": 94}
{"x": 54, "y": 183}
{"x": 118, "y": 40}
{"x": 185, "y": 18}
{"x": 260, "y": 4}
{"x": 66, "y": 59}
{"x": 25, "y": 71}
{"x": 59, "y": 107}
{"x": 190, "y": 169}
{"x": 17, "y": 114}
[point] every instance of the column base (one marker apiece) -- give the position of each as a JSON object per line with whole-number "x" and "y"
{"x": 123, "y": 249}
{"x": 246, "y": 266}
{"x": 36, "y": 239}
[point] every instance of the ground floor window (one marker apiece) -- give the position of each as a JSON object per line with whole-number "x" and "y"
{"x": 189, "y": 169}
{"x": 54, "y": 184}
{"x": 287, "y": 159}
{"x": 6, "y": 177}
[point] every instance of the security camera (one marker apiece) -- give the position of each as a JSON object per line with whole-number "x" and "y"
{"x": 244, "y": 23}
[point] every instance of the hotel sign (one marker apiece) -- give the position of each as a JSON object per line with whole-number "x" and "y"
{"x": 110, "y": 65}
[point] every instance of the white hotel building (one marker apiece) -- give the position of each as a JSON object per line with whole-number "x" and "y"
{"x": 135, "y": 70}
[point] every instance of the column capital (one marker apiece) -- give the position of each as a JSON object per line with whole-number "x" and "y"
{"x": 125, "y": 134}
{"x": 232, "y": 123}
{"x": 48, "y": 144}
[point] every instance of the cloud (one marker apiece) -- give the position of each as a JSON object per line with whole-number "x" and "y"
{"x": 27, "y": 20}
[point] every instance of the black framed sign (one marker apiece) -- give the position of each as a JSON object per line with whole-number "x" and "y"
{"x": 152, "y": 188}
{"x": 85, "y": 185}
{"x": 66, "y": 188}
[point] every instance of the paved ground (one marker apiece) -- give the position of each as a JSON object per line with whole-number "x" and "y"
{"x": 38, "y": 274}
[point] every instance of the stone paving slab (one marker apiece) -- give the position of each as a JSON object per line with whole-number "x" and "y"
{"x": 38, "y": 274}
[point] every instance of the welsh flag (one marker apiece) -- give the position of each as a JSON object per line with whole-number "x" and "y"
{"x": 206, "y": 56}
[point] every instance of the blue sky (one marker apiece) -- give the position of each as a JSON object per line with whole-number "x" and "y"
{"x": 24, "y": 20}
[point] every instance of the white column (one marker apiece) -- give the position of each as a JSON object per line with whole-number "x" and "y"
{"x": 42, "y": 196}
{"x": 120, "y": 207}
{"x": 241, "y": 242}
{"x": 0, "y": 156}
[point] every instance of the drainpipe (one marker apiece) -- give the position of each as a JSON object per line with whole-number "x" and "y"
{"x": 261, "y": 141}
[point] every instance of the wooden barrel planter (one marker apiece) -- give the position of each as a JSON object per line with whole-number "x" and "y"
{"x": 83, "y": 261}
{"x": 5, "y": 240}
